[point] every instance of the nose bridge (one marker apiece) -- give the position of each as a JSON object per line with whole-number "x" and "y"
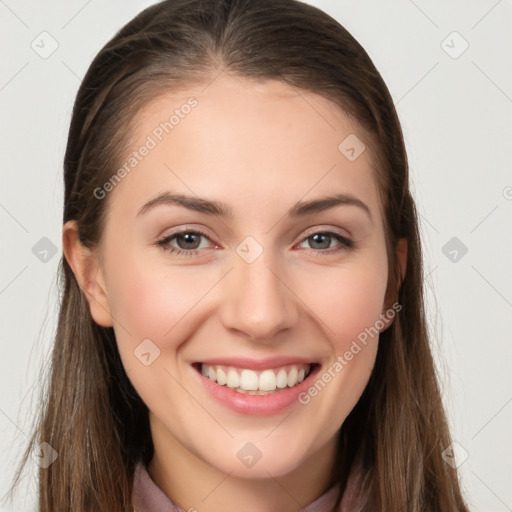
{"x": 256, "y": 300}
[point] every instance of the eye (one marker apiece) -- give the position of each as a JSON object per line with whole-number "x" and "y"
{"x": 322, "y": 242}
{"x": 185, "y": 243}
{"x": 188, "y": 243}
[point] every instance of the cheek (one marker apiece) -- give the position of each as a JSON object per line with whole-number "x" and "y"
{"x": 348, "y": 299}
{"x": 151, "y": 300}
{"x": 154, "y": 301}
{"x": 348, "y": 302}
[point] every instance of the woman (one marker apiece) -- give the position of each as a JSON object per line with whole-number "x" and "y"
{"x": 242, "y": 321}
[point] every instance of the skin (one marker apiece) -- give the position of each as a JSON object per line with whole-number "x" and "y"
{"x": 260, "y": 148}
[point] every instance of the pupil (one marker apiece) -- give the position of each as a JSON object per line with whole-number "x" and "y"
{"x": 191, "y": 240}
{"x": 323, "y": 240}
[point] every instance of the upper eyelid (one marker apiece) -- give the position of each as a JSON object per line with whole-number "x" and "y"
{"x": 187, "y": 229}
{"x": 337, "y": 231}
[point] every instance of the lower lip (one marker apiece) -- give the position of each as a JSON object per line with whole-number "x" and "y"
{"x": 256, "y": 405}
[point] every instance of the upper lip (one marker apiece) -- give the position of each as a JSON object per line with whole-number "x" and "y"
{"x": 256, "y": 364}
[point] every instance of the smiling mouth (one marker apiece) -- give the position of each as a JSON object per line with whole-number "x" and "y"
{"x": 251, "y": 382}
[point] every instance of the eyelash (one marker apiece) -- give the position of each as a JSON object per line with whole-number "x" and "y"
{"x": 345, "y": 243}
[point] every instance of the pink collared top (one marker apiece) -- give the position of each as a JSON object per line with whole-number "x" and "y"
{"x": 148, "y": 497}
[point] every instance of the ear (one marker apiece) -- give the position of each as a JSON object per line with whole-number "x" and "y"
{"x": 87, "y": 269}
{"x": 401, "y": 254}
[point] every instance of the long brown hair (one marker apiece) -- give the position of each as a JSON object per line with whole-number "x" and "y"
{"x": 91, "y": 414}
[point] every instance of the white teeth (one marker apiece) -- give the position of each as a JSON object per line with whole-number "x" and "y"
{"x": 256, "y": 383}
{"x": 233, "y": 379}
{"x": 282, "y": 379}
{"x": 267, "y": 381}
{"x": 221, "y": 377}
{"x": 249, "y": 380}
{"x": 292, "y": 376}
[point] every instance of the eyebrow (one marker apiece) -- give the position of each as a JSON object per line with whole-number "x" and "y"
{"x": 219, "y": 209}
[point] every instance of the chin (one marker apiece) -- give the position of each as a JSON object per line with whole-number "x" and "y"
{"x": 263, "y": 458}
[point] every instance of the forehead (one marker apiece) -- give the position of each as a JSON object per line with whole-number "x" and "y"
{"x": 247, "y": 142}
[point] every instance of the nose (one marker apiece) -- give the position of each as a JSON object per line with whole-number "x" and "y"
{"x": 258, "y": 301}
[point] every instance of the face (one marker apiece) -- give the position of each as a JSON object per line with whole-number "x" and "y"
{"x": 243, "y": 256}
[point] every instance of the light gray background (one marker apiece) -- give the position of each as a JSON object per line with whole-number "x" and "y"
{"x": 456, "y": 115}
